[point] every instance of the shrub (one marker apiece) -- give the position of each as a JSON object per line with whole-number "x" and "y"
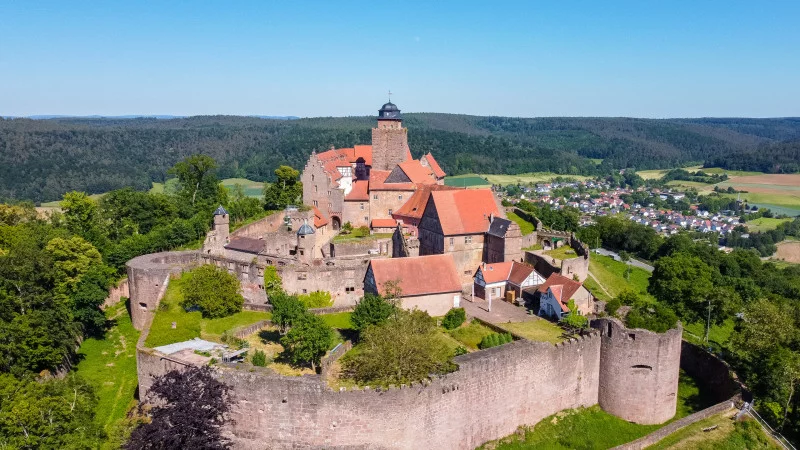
{"x": 371, "y": 310}
{"x": 454, "y": 318}
{"x": 259, "y": 358}
{"x": 460, "y": 350}
{"x": 316, "y": 299}
{"x": 495, "y": 339}
{"x": 613, "y": 306}
{"x": 213, "y": 291}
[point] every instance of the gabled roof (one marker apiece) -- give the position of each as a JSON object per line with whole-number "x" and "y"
{"x": 246, "y": 244}
{"x": 464, "y": 211}
{"x": 519, "y": 272}
{"x": 383, "y": 223}
{"x": 319, "y": 218}
{"x": 377, "y": 182}
{"x": 359, "y": 191}
{"x": 418, "y": 173}
{"x": 562, "y": 288}
{"x": 343, "y": 157}
{"x": 418, "y": 275}
{"x": 437, "y": 170}
{"x": 415, "y": 205}
{"x": 512, "y": 271}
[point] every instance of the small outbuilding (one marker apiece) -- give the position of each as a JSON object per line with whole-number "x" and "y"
{"x": 429, "y": 283}
{"x": 555, "y": 294}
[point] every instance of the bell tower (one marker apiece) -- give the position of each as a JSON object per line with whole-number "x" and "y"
{"x": 389, "y": 139}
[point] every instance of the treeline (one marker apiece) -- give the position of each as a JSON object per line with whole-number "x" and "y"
{"x": 55, "y": 272}
{"x": 779, "y": 157}
{"x": 40, "y": 160}
{"x": 698, "y": 176}
{"x": 764, "y": 242}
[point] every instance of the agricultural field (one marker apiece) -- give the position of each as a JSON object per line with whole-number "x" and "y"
{"x": 765, "y": 224}
{"x": 469, "y": 180}
{"x": 788, "y": 251}
{"x": 251, "y": 188}
{"x": 779, "y": 192}
{"x": 525, "y": 178}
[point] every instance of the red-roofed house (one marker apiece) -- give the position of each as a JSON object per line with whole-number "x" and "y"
{"x": 429, "y": 283}
{"x": 456, "y": 222}
{"x": 411, "y": 211}
{"x": 555, "y": 294}
{"x": 494, "y": 280}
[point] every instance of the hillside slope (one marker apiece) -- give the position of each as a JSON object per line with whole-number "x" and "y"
{"x": 42, "y": 159}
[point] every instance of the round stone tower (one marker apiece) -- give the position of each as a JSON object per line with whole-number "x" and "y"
{"x": 638, "y": 372}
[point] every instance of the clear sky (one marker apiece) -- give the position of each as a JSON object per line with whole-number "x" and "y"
{"x": 526, "y": 58}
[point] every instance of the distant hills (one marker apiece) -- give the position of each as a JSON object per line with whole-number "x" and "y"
{"x": 43, "y": 158}
{"x": 132, "y": 116}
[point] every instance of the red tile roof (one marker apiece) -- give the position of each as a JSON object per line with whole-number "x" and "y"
{"x": 519, "y": 272}
{"x": 415, "y": 205}
{"x": 383, "y": 223}
{"x": 359, "y": 192}
{"x": 418, "y": 275}
{"x": 319, "y": 219}
{"x": 464, "y": 211}
{"x": 343, "y": 157}
{"x": 562, "y": 287}
{"x": 363, "y": 151}
{"x": 496, "y": 272}
{"x": 377, "y": 182}
{"x": 437, "y": 170}
{"x": 418, "y": 173}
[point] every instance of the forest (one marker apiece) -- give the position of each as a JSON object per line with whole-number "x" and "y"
{"x": 40, "y": 160}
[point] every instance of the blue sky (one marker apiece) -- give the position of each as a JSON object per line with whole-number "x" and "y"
{"x": 525, "y": 58}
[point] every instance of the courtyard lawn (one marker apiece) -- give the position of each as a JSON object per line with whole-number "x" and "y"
{"x": 360, "y": 235}
{"x": 611, "y": 275}
{"x": 563, "y": 252}
{"x": 536, "y": 330}
{"x": 765, "y": 223}
{"x": 109, "y": 364}
{"x": 190, "y": 325}
{"x": 524, "y": 226}
{"x": 593, "y": 428}
{"x": 340, "y": 321}
{"x": 470, "y": 334}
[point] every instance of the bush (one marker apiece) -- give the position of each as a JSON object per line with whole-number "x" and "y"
{"x": 495, "y": 339}
{"x": 454, "y": 318}
{"x": 613, "y": 306}
{"x": 259, "y": 358}
{"x": 316, "y": 299}
{"x": 371, "y": 310}
{"x": 213, "y": 291}
{"x": 460, "y": 350}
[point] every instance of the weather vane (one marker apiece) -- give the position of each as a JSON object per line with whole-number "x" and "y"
{"x": 390, "y": 95}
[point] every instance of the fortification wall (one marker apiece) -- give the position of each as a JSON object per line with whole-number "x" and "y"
{"x": 639, "y": 372}
{"x": 713, "y": 374}
{"x": 115, "y": 294}
{"x": 493, "y": 392}
{"x": 146, "y": 277}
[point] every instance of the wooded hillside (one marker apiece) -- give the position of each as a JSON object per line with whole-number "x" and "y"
{"x": 42, "y": 159}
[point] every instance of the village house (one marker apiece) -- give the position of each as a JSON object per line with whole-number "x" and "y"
{"x": 555, "y": 294}
{"x": 495, "y": 281}
{"x": 429, "y": 283}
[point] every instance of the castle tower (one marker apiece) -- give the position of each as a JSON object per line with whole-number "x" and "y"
{"x": 306, "y": 242}
{"x": 389, "y": 139}
{"x": 638, "y": 372}
{"x": 219, "y": 236}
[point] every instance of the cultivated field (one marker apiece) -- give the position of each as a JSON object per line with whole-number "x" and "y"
{"x": 788, "y": 251}
{"x": 779, "y": 192}
{"x": 469, "y": 180}
{"x": 765, "y": 224}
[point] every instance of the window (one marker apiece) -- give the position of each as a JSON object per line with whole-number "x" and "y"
{"x": 315, "y": 203}
{"x": 362, "y": 206}
{"x": 316, "y": 188}
{"x": 366, "y": 219}
{"x": 452, "y": 241}
{"x": 390, "y": 212}
{"x": 329, "y": 193}
{"x": 305, "y": 291}
{"x": 312, "y": 177}
{"x": 302, "y": 275}
{"x": 301, "y": 251}
{"x": 467, "y": 272}
{"x": 400, "y": 197}
{"x": 375, "y": 197}
{"x": 349, "y": 289}
{"x": 468, "y": 239}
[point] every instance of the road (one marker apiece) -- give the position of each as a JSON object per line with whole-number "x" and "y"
{"x": 632, "y": 262}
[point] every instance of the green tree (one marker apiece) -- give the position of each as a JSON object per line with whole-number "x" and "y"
{"x": 272, "y": 282}
{"x": 81, "y": 217}
{"x": 196, "y": 176}
{"x": 72, "y": 258}
{"x": 287, "y": 310}
{"x": 371, "y": 310}
{"x": 213, "y": 291}
{"x": 286, "y": 190}
{"x": 574, "y": 319}
{"x": 765, "y": 326}
{"x": 651, "y": 316}
{"x": 308, "y": 340}
{"x": 684, "y": 283}
{"x": 454, "y": 318}
{"x": 405, "y": 348}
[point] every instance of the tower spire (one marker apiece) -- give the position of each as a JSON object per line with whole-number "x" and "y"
{"x": 390, "y": 95}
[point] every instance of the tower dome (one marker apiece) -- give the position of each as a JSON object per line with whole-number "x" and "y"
{"x": 389, "y": 111}
{"x": 305, "y": 229}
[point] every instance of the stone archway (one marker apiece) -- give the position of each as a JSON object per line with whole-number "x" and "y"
{"x": 336, "y": 223}
{"x": 546, "y": 244}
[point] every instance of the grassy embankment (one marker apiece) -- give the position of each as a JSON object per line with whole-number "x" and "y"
{"x": 593, "y": 428}
{"x": 109, "y": 364}
{"x": 468, "y": 181}
{"x": 611, "y": 275}
{"x": 563, "y": 252}
{"x": 190, "y": 325}
{"x": 524, "y": 226}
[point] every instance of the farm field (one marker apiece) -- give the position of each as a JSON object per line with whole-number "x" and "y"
{"x": 765, "y": 223}
{"x": 251, "y": 188}
{"x": 469, "y": 180}
{"x": 788, "y": 251}
{"x": 525, "y": 178}
{"x": 779, "y": 192}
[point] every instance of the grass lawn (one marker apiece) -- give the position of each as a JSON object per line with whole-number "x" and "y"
{"x": 251, "y": 188}
{"x": 536, "y": 330}
{"x": 780, "y": 202}
{"x": 595, "y": 289}
{"x": 192, "y": 324}
{"x": 691, "y": 184}
{"x": 765, "y": 223}
{"x": 563, "y": 252}
{"x": 357, "y": 235}
{"x": 611, "y": 274}
{"x": 470, "y": 334}
{"x": 525, "y": 178}
{"x": 469, "y": 180}
{"x": 524, "y": 226}
{"x": 727, "y": 435}
{"x": 718, "y": 335}
{"x": 110, "y": 365}
{"x": 593, "y": 428}
{"x": 340, "y": 321}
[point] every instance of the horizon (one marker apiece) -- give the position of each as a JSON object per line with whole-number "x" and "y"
{"x": 626, "y": 59}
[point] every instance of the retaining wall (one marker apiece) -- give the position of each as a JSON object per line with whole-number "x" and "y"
{"x": 115, "y": 294}
{"x": 146, "y": 275}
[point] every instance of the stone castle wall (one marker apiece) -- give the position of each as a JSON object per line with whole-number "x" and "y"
{"x": 115, "y": 294}
{"x": 147, "y": 274}
{"x": 493, "y": 392}
{"x": 389, "y": 145}
{"x": 639, "y": 372}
